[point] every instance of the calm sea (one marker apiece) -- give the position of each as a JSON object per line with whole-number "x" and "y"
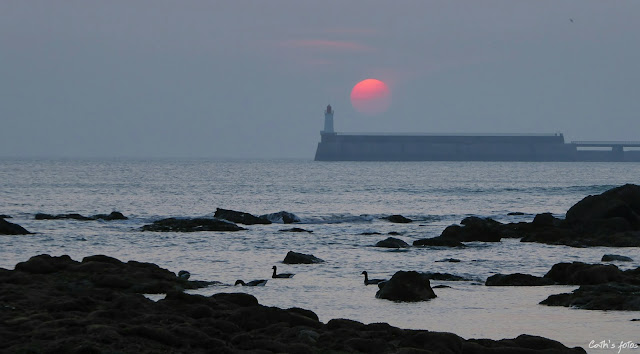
{"x": 338, "y": 201}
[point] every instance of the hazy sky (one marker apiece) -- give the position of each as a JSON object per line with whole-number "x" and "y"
{"x": 251, "y": 78}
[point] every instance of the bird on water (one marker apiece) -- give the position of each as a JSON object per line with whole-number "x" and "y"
{"x": 283, "y": 275}
{"x": 368, "y": 281}
{"x": 260, "y": 282}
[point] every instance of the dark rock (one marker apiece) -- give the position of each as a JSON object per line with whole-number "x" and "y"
{"x": 392, "y": 242}
{"x": 621, "y": 202}
{"x": 301, "y": 258}
{"x": 474, "y": 229}
{"x": 546, "y": 219}
{"x": 114, "y": 215}
{"x": 394, "y": 233}
{"x": 398, "y": 219}
{"x": 615, "y": 257}
{"x": 608, "y": 296}
{"x": 295, "y": 229}
{"x": 282, "y": 217}
{"x": 438, "y": 242}
{"x": 444, "y": 276}
{"x": 452, "y": 260}
{"x": 611, "y": 219}
{"x": 4, "y": 216}
{"x": 239, "y": 217}
{"x": 517, "y": 279}
{"x": 370, "y": 233}
{"x": 578, "y": 273}
{"x": 8, "y": 228}
{"x": 191, "y": 225}
{"x": 407, "y": 286}
{"x": 513, "y": 213}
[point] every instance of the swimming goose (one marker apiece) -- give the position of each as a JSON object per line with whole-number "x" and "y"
{"x": 260, "y": 282}
{"x": 283, "y": 275}
{"x": 368, "y": 281}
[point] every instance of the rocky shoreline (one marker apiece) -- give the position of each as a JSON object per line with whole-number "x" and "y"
{"x": 58, "y": 305}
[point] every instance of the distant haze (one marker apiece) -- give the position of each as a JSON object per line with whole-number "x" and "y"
{"x": 251, "y": 79}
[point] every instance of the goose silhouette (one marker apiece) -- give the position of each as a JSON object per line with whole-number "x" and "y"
{"x": 283, "y": 275}
{"x": 260, "y": 282}
{"x": 368, "y": 281}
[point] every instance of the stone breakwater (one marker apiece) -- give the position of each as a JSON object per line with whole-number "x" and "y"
{"x": 58, "y": 305}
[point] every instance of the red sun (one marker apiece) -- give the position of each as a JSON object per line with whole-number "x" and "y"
{"x": 370, "y": 96}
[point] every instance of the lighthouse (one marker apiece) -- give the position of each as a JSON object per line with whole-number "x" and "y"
{"x": 328, "y": 121}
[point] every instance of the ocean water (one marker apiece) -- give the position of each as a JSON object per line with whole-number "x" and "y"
{"x": 338, "y": 201}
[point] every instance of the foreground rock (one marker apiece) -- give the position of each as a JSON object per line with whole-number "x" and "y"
{"x": 407, "y": 286}
{"x": 517, "y": 279}
{"x": 301, "y": 258}
{"x": 239, "y": 217}
{"x": 65, "y": 311}
{"x": 101, "y": 271}
{"x": 191, "y": 225}
{"x": 114, "y": 215}
{"x": 392, "y": 242}
{"x": 281, "y": 217}
{"x": 9, "y": 228}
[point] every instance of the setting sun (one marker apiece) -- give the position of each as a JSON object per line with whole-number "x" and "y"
{"x": 370, "y": 96}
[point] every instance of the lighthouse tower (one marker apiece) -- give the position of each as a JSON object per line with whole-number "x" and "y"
{"x": 328, "y": 121}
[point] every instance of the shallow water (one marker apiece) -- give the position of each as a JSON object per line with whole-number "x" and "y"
{"x": 338, "y": 202}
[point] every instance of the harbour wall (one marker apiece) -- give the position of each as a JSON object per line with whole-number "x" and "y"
{"x": 542, "y": 147}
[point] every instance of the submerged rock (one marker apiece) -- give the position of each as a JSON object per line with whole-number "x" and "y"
{"x": 517, "y": 279}
{"x": 296, "y": 229}
{"x": 74, "y": 216}
{"x": 114, "y": 215}
{"x": 407, "y": 286}
{"x": 608, "y": 296}
{"x": 398, "y": 219}
{"x": 239, "y": 217}
{"x": 191, "y": 225}
{"x": 616, "y": 257}
{"x": 281, "y": 217}
{"x": 444, "y": 276}
{"x": 5, "y": 216}
{"x": 438, "y": 242}
{"x": 301, "y": 258}
{"x": 451, "y": 260}
{"x": 392, "y": 242}
{"x": 9, "y": 228}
